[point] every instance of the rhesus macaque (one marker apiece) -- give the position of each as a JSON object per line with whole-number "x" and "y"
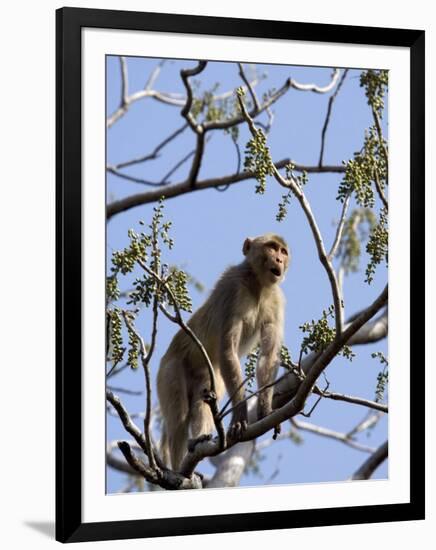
{"x": 245, "y": 308}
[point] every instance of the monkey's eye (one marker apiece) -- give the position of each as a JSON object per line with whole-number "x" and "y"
{"x": 272, "y": 245}
{"x": 284, "y": 251}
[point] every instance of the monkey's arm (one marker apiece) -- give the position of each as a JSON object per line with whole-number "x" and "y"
{"x": 270, "y": 341}
{"x": 231, "y": 373}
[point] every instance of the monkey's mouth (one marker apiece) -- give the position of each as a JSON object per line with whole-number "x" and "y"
{"x": 276, "y": 271}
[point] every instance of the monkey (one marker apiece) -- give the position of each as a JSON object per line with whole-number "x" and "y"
{"x": 244, "y": 309}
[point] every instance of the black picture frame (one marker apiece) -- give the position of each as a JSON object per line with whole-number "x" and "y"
{"x": 69, "y": 22}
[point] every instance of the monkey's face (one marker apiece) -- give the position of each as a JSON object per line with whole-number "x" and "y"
{"x": 268, "y": 256}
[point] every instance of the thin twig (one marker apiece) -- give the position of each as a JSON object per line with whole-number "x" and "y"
{"x": 145, "y": 358}
{"x": 154, "y": 154}
{"x": 154, "y": 74}
{"x": 352, "y": 399}
{"x": 327, "y": 118}
{"x": 229, "y": 400}
{"x": 113, "y": 371}
{"x": 339, "y": 229}
{"x": 368, "y": 422}
{"x": 380, "y": 135}
{"x": 134, "y": 179}
{"x": 253, "y": 394}
{"x": 249, "y": 87}
{"x": 124, "y": 390}
{"x": 326, "y": 432}
{"x": 380, "y": 190}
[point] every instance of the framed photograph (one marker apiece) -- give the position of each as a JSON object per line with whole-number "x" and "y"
{"x": 234, "y": 199}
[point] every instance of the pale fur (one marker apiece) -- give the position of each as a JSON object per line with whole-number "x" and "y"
{"x": 245, "y": 308}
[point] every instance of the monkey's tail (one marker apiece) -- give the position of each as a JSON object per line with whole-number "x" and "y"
{"x": 164, "y": 447}
{"x": 174, "y": 405}
{"x": 173, "y": 446}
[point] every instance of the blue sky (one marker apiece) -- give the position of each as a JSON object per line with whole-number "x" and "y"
{"x": 209, "y": 228}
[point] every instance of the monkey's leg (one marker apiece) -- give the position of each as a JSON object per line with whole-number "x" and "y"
{"x": 231, "y": 372}
{"x": 266, "y": 371}
{"x": 202, "y": 423}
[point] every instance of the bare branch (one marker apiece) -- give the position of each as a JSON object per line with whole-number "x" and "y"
{"x": 154, "y": 74}
{"x": 155, "y": 153}
{"x": 326, "y": 432}
{"x": 371, "y": 332}
{"x": 196, "y": 163}
{"x": 368, "y": 422}
{"x": 315, "y": 88}
{"x": 249, "y": 87}
{"x": 124, "y": 82}
{"x": 119, "y": 464}
{"x": 380, "y": 190}
{"x": 329, "y": 112}
{"x": 228, "y": 123}
{"x": 124, "y": 390}
{"x": 145, "y": 359}
{"x": 134, "y": 179}
{"x": 186, "y": 111}
{"x": 128, "y": 423}
{"x": 372, "y": 463}
{"x": 352, "y": 399}
{"x": 184, "y": 187}
{"x": 340, "y": 229}
{"x": 380, "y": 135}
{"x": 178, "y": 164}
{"x": 165, "y": 478}
{"x": 230, "y": 465}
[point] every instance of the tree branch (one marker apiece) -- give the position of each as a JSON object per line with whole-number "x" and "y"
{"x": 167, "y": 479}
{"x": 184, "y": 187}
{"x": 127, "y": 422}
{"x": 154, "y": 154}
{"x": 186, "y": 111}
{"x": 352, "y": 399}
{"x": 298, "y": 192}
{"x": 372, "y": 463}
{"x": 145, "y": 359}
{"x": 331, "y": 434}
{"x": 339, "y": 230}
{"x": 327, "y": 118}
{"x": 249, "y": 87}
{"x": 296, "y": 404}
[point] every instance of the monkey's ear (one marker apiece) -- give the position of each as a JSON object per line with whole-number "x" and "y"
{"x": 246, "y": 246}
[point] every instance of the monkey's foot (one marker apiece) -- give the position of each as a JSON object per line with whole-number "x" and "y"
{"x": 236, "y": 430}
{"x": 192, "y": 443}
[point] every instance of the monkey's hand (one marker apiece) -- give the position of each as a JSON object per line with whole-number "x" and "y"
{"x": 239, "y": 421}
